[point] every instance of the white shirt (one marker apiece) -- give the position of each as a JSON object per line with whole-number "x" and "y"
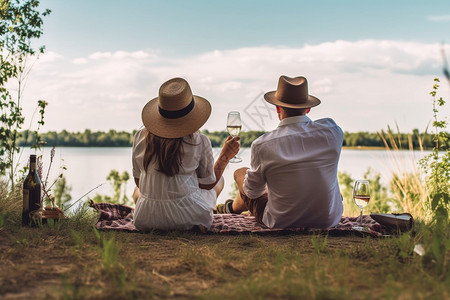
{"x": 297, "y": 163}
{"x": 175, "y": 202}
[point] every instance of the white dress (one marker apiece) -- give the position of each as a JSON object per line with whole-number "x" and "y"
{"x": 175, "y": 202}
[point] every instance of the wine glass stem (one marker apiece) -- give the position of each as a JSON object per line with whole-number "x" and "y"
{"x": 360, "y": 217}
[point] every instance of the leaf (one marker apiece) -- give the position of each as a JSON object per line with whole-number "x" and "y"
{"x": 435, "y": 201}
{"x": 96, "y": 233}
{"x": 446, "y": 198}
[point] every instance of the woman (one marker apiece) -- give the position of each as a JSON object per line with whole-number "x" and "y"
{"x": 173, "y": 165}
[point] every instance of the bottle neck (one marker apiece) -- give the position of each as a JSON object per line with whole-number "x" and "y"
{"x": 33, "y": 160}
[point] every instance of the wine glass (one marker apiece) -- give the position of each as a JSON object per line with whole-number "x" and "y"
{"x": 361, "y": 196}
{"x": 234, "y": 128}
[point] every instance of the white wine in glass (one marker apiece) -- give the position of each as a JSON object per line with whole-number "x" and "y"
{"x": 234, "y": 126}
{"x": 234, "y": 130}
{"x": 361, "y": 196}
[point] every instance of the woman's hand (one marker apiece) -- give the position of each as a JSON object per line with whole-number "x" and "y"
{"x": 230, "y": 148}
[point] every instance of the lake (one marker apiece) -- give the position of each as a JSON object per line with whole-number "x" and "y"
{"x": 89, "y": 167}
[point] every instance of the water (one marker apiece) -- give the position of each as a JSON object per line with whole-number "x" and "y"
{"x": 89, "y": 167}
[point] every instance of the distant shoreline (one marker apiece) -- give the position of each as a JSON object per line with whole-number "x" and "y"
{"x": 366, "y": 148}
{"x": 112, "y": 138}
{"x": 362, "y": 148}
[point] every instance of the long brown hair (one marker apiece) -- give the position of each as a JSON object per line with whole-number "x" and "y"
{"x": 167, "y": 153}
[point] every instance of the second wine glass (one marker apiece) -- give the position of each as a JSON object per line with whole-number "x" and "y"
{"x": 361, "y": 196}
{"x": 234, "y": 126}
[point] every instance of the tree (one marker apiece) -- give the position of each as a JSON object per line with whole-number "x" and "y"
{"x": 20, "y": 24}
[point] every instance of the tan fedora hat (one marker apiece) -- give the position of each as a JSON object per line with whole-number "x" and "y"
{"x": 175, "y": 112}
{"x": 292, "y": 93}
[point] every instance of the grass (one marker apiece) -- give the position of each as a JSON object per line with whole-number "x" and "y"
{"x": 72, "y": 260}
{"x": 408, "y": 187}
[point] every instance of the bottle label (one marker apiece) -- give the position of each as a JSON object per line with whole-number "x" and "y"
{"x": 26, "y": 200}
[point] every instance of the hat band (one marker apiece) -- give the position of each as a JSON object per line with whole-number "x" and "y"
{"x": 175, "y": 114}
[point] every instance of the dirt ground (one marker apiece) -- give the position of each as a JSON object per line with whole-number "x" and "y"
{"x": 52, "y": 265}
{"x": 49, "y": 263}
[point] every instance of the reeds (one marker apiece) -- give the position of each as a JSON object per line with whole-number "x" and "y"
{"x": 10, "y": 204}
{"x": 407, "y": 184}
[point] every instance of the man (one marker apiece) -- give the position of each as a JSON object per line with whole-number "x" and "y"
{"x": 292, "y": 179}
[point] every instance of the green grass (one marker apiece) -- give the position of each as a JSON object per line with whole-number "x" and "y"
{"x": 70, "y": 259}
{"x": 74, "y": 261}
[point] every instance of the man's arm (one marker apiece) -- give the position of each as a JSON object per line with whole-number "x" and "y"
{"x": 255, "y": 182}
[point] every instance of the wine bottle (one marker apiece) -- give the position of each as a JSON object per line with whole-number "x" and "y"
{"x": 31, "y": 194}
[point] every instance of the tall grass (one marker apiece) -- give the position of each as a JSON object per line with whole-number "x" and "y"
{"x": 10, "y": 204}
{"x": 407, "y": 184}
{"x": 380, "y": 201}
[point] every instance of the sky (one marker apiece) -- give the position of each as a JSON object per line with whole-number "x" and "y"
{"x": 372, "y": 63}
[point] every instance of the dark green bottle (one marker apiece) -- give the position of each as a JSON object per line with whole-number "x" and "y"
{"x": 31, "y": 194}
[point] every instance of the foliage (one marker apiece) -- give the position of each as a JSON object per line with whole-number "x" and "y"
{"x": 361, "y": 138}
{"x": 379, "y": 199}
{"x": 407, "y": 187}
{"x": 437, "y": 168}
{"x": 38, "y": 142}
{"x": 394, "y": 139}
{"x": 410, "y": 194}
{"x": 113, "y": 138}
{"x": 10, "y": 204}
{"x": 380, "y": 202}
{"x": 118, "y": 182}
{"x": 61, "y": 192}
{"x": 319, "y": 243}
{"x": 20, "y": 24}
{"x": 109, "y": 252}
{"x": 416, "y": 139}
{"x": 88, "y": 138}
{"x": 59, "y": 184}
{"x": 405, "y": 244}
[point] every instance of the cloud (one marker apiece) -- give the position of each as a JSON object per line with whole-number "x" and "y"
{"x": 122, "y": 55}
{"x": 439, "y": 18}
{"x": 364, "y": 85}
{"x": 50, "y": 57}
{"x": 80, "y": 61}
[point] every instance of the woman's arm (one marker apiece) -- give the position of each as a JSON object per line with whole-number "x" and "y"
{"x": 229, "y": 150}
{"x": 136, "y": 192}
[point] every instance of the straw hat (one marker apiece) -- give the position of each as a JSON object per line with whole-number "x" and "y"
{"x": 176, "y": 112}
{"x": 292, "y": 93}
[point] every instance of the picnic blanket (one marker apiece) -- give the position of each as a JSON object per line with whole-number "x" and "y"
{"x": 120, "y": 217}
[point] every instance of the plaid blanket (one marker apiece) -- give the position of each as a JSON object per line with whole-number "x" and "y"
{"x": 120, "y": 217}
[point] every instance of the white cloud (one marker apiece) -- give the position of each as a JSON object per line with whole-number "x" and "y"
{"x": 439, "y": 18}
{"x": 364, "y": 85}
{"x": 80, "y": 61}
{"x": 50, "y": 57}
{"x": 122, "y": 55}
